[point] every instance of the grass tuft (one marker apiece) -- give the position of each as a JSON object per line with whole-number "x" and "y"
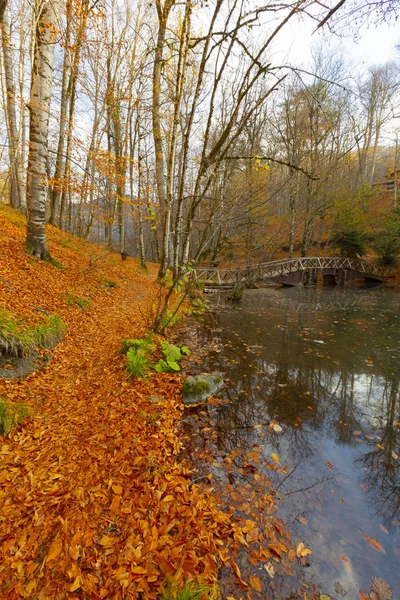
{"x": 11, "y": 415}
{"x": 15, "y": 339}
{"x": 190, "y": 591}
{"x": 50, "y": 332}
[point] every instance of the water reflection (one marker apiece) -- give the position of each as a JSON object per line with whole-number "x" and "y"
{"x": 330, "y": 379}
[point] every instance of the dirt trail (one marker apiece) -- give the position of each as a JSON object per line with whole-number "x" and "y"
{"x": 92, "y": 501}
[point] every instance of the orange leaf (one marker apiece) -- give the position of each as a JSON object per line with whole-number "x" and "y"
{"x": 362, "y": 595}
{"x": 346, "y": 561}
{"x": 138, "y": 570}
{"x": 377, "y": 545}
{"x": 117, "y": 489}
{"x": 255, "y": 583}
{"x": 54, "y": 549}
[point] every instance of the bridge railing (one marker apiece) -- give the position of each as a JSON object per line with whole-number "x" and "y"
{"x": 285, "y": 266}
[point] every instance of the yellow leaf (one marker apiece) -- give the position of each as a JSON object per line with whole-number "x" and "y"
{"x": 269, "y": 567}
{"x": 301, "y": 550}
{"x": 54, "y": 550}
{"x": 76, "y": 584}
{"x": 255, "y": 583}
{"x": 168, "y": 498}
{"x": 138, "y": 570}
{"x": 107, "y": 541}
{"x": 117, "y": 489}
{"x": 31, "y": 586}
{"x": 275, "y": 457}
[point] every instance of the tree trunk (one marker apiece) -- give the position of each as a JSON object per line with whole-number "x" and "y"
{"x": 11, "y": 116}
{"x": 39, "y": 107}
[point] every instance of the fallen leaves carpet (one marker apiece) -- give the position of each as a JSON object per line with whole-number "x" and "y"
{"x": 93, "y": 503}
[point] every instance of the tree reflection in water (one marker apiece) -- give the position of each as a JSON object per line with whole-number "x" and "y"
{"x": 329, "y": 379}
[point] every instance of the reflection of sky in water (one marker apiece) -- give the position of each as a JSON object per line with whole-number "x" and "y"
{"x": 330, "y": 379}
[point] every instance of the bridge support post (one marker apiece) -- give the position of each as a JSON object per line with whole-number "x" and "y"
{"x": 341, "y": 277}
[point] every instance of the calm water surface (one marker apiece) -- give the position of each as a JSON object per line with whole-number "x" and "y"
{"x": 324, "y": 365}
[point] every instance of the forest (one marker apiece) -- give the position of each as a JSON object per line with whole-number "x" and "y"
{"x": 179, "y": 134}
{"x": 142, "y": 141}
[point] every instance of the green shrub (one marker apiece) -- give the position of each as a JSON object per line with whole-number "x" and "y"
{"x": 15, "y": 338}
{"x": 145, "y": 343}
{"x": 72, "y": 299}
{"x": 137, "y": 364}
{"x": 11, "y": 415}
{"x": 173, "y": 354}
{"x": 47, "y": 334}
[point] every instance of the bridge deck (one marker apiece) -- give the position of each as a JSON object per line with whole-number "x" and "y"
{"x": 283, "y": 271}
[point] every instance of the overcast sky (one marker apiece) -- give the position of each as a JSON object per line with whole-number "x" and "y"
{"x": 374, "y": 44}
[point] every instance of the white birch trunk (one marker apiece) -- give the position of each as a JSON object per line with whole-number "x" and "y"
{"x": 39, "y": 107}
{"x": 11, "y": 114}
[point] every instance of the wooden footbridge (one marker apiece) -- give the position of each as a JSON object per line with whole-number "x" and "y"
{"x": 293, "y": 271}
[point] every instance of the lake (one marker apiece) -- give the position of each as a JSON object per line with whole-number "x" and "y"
{"x": 312, "y": 392}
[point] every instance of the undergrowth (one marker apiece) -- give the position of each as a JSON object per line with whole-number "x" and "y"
{"x": 11, "y": 415}
{"x": 139, "y": 353}
{"x": 73, "y": 300}
{"x": 190, "y": 591}
{"x": 19, "y": 340}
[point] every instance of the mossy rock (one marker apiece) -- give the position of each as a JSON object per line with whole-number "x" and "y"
{"x": 201, "y": 387}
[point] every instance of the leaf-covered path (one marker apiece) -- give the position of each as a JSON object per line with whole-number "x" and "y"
{"x": 92, "y": 501}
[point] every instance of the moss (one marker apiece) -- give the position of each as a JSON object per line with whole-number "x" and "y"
{"x": 72, "y": 299}
{"x": 196, "y": 387}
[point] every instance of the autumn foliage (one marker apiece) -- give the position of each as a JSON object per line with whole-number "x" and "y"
{"x": 93, "y": 503}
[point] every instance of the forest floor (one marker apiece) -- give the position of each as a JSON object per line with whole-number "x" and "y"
{"x": 93, "y": 501}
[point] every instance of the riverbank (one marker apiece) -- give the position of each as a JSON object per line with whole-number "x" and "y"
{"x": 93, "y": 502}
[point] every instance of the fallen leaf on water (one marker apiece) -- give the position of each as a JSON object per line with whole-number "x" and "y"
{"x": 362, "y": 595}
{"x": 328, "y": 464}
{"x": 383, "y": 529}
{"x": 325, "y": 597}
{"x": 269, "y": 567}
{"x": 380, "y": 446}
{"x": 382, "y": 588}
{"x": 356, "y": 432}
{"x": 238, "y": 574}
{"x": 255, "y": 583}
{"x": 346, "y": 561}
{"x": 277, "y": 428}
{"x": 301, "y": 550}
{"x": 303, "y": 520}
{"x": 374, "y": 543}
{"x": 275, "y": 457}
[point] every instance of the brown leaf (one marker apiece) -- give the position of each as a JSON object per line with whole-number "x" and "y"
{"x": 381, "y": 587}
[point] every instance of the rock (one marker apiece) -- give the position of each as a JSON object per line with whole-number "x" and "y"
{"x": 201, "y": 387}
